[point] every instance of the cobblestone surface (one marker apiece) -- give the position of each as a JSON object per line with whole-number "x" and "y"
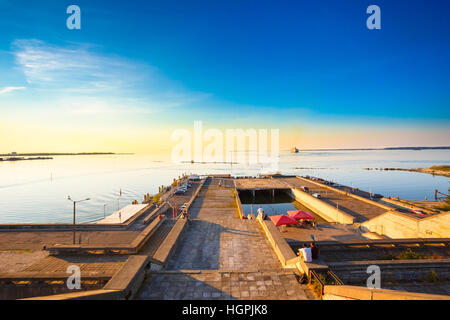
{"x": 214, "y": 285}
{"x": 102, "y": 265}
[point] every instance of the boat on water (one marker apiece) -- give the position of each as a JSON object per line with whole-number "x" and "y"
{"x": 295, "y": 150}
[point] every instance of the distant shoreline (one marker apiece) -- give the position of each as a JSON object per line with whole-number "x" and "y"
{"x": 10, "y": 157}
{"x": 380, "y": 149}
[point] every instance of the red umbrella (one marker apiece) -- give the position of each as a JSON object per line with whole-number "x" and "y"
{"x": 301, "y": 215}
{"x": 282, "y": 219}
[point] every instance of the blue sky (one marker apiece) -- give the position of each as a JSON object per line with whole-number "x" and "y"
{"x": 294, "y": 64}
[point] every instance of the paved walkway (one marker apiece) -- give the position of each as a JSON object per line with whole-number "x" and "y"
{"x": 223, "y": 257}
{"x": 277, "y": 284}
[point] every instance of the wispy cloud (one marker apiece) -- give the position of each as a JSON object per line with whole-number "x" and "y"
{"x": 87, "y": 81}
{"x": 10, "y": 89}
{"x": 77, "y": 68}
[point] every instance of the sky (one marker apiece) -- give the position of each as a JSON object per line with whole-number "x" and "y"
{"x": 138, "y": 70}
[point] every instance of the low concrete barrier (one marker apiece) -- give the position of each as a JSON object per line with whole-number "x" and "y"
{"x": 326, "y": 211}
{"x": 83, "y": 295}
{"x": 161, "y": 209}
{"x": 240, "y": 209}
{"x": 407, "y": 205}
{"x": 122, "y": 286}
{"x": 129, "y": 278}
{"x": 132, "y": 248}
{"x": 345, "y": 292}
{"x": 355, "y": 272}
{"x": 168, "y": 246}
{"x": 281, "y": 248}
{"x": 395, "y": 224}
{"x": 355, "y": 196}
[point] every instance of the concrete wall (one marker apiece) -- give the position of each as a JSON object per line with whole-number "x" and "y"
{"x": 396, "y": 225}
{"x": 123, "y": 285}
{"x": 363, "y": 293}
{"x": 354, "y": 196}
{"x": 240, "y": 209}
{"x": 168, "y": 246}
{"x": 132, "y": 248}
{"x": 279, "y": 245}
{"x": 355, "y": 272}
{"x": 325, "y": 210}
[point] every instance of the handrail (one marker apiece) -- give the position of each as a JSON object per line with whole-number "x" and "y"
{"x": 329, "y": 278}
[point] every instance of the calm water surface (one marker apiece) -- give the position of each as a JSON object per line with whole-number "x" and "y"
{"x": 36, "y": 191}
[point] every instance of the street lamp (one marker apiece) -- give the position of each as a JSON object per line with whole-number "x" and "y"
{"x": 74, "y": 212}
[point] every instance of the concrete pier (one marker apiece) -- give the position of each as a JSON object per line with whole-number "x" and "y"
{"x": 216, "y": 253}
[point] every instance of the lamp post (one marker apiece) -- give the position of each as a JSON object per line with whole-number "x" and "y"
{"x": 74, "y": 213}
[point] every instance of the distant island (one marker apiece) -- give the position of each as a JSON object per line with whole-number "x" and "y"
{"x": 41, "y": 154}
{"x": 14, "y": 156}
{"x": 23, "y": 158}
{"x": 443, "y": 170}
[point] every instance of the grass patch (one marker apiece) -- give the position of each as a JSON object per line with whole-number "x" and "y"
{"x": 432, "y": 277}
{"x": 443, "y": 207}
{"x": 445, "y": 168}
{"x": 16, "y": 251}
{"x": 410, "y": 255}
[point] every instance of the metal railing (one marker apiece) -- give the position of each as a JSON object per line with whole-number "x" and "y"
{"x": 318, "y": 281}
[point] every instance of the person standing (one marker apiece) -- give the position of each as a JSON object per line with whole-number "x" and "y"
{"x": 314, "y": 251}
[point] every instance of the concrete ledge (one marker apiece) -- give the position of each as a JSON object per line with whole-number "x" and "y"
{"x": 168, "y": 246}
{"x": 129, "y": 278}
{"x": 161, "y": 208}
{"x": 142, "y": 238}
{"x": 123, "y": 285}
{"x": 354, "y": 196}
{"x": 406, "y": 205}
{"x": 133, "y": 248}
{"x": 170, "y": 243}
{"x": 84, "y": 295}
{"x": 362, "y": 293}
{"x": 50, "y": 276}
{"x": 278, "y": 243}
{"x": 395, "y": 224}
{"x": 327, "y": 211}
{"x": 195, "y": 195}
{"x": 240, "y": 209}
{"x": 382, "y": 242}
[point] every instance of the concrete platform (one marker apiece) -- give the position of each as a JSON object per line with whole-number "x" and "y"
{"x": 259, "y": 184}
{"x": 122, "y": 215}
